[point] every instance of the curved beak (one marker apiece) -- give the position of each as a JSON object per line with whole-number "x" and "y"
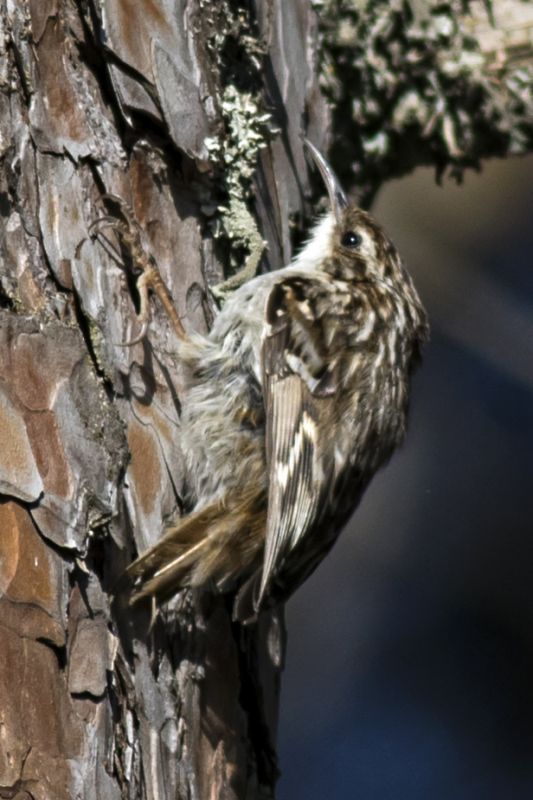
{"x": 337, "y": 197}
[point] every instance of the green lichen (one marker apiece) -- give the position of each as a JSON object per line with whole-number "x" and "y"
{"x": 247, "y": 127}
{"x": 247, "y": 131}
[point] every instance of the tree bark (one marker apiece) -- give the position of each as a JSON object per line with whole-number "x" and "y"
{"x": 192, "y": 113}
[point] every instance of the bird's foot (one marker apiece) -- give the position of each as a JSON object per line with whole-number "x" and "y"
{"x": 130, "y": 236}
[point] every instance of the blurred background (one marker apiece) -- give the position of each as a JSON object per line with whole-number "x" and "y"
{"x": 410, "y": 651}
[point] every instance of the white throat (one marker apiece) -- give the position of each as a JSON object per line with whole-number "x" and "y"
{"x": 318, "y": 245}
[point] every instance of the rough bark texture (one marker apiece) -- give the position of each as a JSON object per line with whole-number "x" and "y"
{"x": 192, "y": 112}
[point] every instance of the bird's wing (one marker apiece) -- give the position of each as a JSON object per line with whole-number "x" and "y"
{"x": 300, "y": 383}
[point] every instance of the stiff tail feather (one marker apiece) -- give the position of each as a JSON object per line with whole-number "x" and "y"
{"x": 214, "y": 545}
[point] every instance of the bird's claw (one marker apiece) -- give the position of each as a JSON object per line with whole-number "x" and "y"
{"x": 129, "y": 233}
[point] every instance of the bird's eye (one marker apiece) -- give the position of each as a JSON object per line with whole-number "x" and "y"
{"x": 351, "y": 239}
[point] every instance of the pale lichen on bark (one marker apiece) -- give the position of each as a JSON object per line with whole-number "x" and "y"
{"x": 416, "y": 83}
{"x": 237, "y": 54}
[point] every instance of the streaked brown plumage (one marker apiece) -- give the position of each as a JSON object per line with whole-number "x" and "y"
{"x": 296, "y": 397}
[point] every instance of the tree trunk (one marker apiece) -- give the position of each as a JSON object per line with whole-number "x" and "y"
{"x": 192, "y": 113}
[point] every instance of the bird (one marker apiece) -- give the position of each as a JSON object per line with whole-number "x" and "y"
{"x": 298, "y": 394}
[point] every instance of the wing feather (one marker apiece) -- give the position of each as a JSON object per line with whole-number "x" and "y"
{"x": 299, "y": 387}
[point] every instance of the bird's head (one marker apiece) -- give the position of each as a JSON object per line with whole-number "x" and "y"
{"x": 348, "y": 243}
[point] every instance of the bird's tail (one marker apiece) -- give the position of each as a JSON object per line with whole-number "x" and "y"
{"x": 215, "y": 545}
